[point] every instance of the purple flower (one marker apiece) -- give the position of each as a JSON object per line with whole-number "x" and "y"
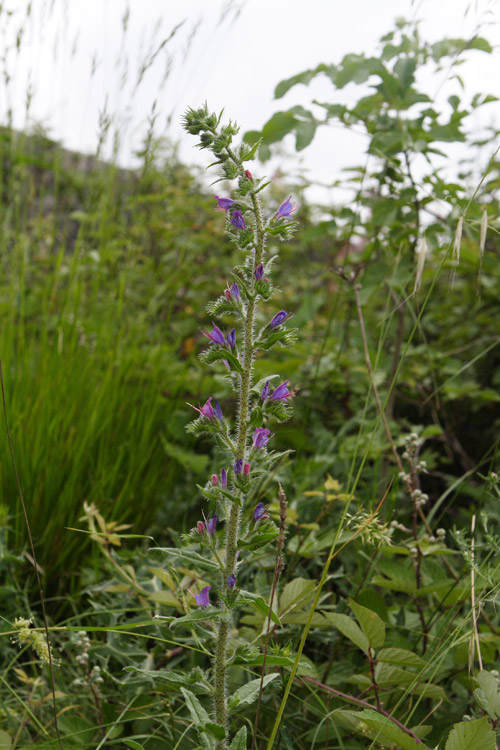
{"x": 259, "y": 512}
{"x": 211, "y": 524}
{"x": 265, "y": 391}
{"x": 218, "y": 410}
{"x": 231, "y": 338}
{"x": 238, "y": 466}
{"x": 216, "y": 336}
{"x": 206, "y": 410}
{"x": 259, "y": 271}
{"x": 233, "y": 292}
{"x": 279, "y": 318}
{"x": 202, "y": 599}
{"x": 231, "y": 580}
{"x": 286, "y": 209}
{"x": 226, "y": 364}
{"x": 261, "y": 437}
{"x": 223, "y": 478}
{"x": 281, "y": 392}
{"x": 237, "y": 220}
{"x": 223, "y": 204}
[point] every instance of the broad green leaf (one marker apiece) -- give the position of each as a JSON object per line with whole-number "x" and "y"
{"x": 248, "y": 693}
{"x": 371, "y": 624}
{"x": 199, "y": 615}
{"x": 240, "y": 740}
{"x": 295, "y": 593}
{"x": 386, "y": 728}
{"x": 349, "y": 628}
{"x": 215, "y": 730}
{"x": 428, "y": 690}
{"x": 188, "y": 556}
{"x": 471, "y": 735}
{"x": 198, "y": 713}
{"x": 400, "y": 656}
{"x": 487, "y": 694}
{"x": 386, "y": 674}
{"x": 260, "y": 604}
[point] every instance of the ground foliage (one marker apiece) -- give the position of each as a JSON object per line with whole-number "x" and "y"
{"x": 105, "y": 279}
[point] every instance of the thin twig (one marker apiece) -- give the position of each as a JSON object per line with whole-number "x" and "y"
{"x": 33, "y": 554}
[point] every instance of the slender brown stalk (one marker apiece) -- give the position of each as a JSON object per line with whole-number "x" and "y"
{"x": 33, "y": 555}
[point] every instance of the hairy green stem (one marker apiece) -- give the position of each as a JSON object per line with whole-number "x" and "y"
{"x": 233, "y": 523}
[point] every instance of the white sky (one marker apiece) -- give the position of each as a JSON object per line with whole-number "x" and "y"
{"x": 76, "y": 63}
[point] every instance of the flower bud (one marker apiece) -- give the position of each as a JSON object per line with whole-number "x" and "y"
{"x": 215, "y": 480}
{"x": 246, "y": 470}
{"x": 238, "y": 466}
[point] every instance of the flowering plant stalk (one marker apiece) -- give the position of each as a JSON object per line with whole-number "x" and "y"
{"x": 236, "y": 523}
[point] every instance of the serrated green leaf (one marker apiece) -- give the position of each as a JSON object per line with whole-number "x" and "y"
{"x": 386, "y": 728}
{"x": 240, "y": 740}
{"x": 371, "y": 624}
{"x": 349, "y": 628}
{"x": 471, "y": 735}
{"x": 248, "y": 693}
{"x": 487, "y": 694}
{"x": 198, "y": 713}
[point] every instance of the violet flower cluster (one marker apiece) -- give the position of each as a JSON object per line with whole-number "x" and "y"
{"x": 237, "y": 522}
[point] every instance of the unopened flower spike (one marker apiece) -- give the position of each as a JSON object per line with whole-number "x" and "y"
{"x": 216, "y": 336}
{"x": 259, "y": 513}
{"x": 286, "y": 209}
{"x": 207, "y": 410}
{"x": 218, "y": 411}
{"x": 223, "y": 478}
{"x": 279, "y": 318}
{"x": 231, "y": 338}
{"x": 237, "y": 220}
{"x": 223, "y": 204}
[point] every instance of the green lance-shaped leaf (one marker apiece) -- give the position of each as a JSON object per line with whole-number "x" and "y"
{"x": 371, "y": 624}
{"x": 248, "y": 693}
{"x": 349, "y": 628}
{"x": 187, "y": 556}
{"x": 471, "y": 735}
{"x": 260, "y": 604}
{"x": 199, "y": 615}
{"x": 198, "y": 713}
{"x": 130, "y": 743}
{"x": 240, "y": 740}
